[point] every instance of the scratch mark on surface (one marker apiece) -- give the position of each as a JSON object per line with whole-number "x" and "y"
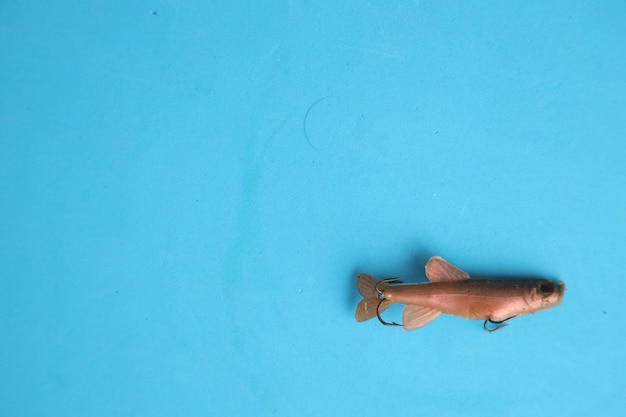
{"x": 465, "y": 206}
{"x": 306, "y": 116}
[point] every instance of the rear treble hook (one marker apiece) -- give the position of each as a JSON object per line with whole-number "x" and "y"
{"x": 385, "y": 281}
{"x": 382, "y": 298}
{"x": 499, "y": 324}
{"x": 380, "y": 319}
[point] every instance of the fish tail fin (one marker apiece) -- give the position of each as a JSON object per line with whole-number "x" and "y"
{"x": 371, "y": 304}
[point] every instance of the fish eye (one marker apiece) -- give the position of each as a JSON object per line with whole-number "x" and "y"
{"x": 546, "y": 288}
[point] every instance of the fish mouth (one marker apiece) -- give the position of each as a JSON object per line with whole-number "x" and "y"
{"x": 559, "y": 293}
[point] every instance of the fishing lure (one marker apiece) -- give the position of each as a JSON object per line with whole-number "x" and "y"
{"x": 451, "y": 291}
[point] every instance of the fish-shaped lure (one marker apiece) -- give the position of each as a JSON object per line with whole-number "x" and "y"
{"x": 451, "y": 291}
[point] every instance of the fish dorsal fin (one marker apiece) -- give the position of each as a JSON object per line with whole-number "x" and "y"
{"x": 439, "y": 270}
{"x": 414, "y": 317}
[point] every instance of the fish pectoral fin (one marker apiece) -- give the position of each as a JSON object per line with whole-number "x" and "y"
{"x": 414, "y": 316}
{"x": 439, "y": 270}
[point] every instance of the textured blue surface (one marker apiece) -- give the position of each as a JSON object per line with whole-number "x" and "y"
{"x": 189, "y": 188}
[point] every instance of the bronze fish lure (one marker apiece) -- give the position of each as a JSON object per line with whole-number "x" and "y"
{"x": 451, "y": 291}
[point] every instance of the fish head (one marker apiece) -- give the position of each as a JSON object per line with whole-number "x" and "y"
{"x": 544, "y": 294}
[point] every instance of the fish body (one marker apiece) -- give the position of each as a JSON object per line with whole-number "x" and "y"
{"x": 451, "y": 291}
{"x": 474, "y": 299}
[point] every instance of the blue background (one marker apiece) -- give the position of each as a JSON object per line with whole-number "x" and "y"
{"x": 188, "y": 190}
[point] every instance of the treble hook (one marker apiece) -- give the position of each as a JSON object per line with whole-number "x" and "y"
{"x": 495, "y": 329}
{"x": 380, "y": 319}
{"x": 385, "y": 281}
{"x": 382, "y": 298}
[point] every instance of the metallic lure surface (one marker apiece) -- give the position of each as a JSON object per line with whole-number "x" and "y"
{"x": 451, "y": 291}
